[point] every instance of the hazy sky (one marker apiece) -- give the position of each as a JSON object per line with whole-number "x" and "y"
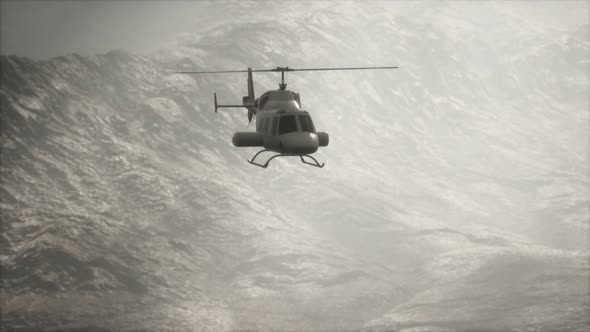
{"x": 455, "y": 192}
{"x": 49, "y": 28}
{"x": 42, "y": 29}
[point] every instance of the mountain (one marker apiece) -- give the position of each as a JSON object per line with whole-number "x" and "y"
{"x": 455, "y": 194}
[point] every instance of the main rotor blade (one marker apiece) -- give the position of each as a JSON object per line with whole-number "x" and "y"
{"x": 281, "y": 69}
{"x": 337, "y": 68}
{"x": 221, "y": 71}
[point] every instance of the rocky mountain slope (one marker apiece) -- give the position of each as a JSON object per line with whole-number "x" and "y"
{"x": 455, "y": 194}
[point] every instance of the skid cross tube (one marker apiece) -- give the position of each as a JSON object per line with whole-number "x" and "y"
{"x": 315, "y": 163}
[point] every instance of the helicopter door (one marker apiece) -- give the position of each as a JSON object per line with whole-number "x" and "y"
{"x": 273, "y": 129}
{"x": 268, "y": 126}
{"x": 271, "y": 141}
{"x": 263, "y": 126}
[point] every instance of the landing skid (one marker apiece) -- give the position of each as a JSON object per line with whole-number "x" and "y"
{"x": 315, "y": 163}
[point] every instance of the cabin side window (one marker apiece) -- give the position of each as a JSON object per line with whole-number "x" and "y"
{"x": 287, "y": 124}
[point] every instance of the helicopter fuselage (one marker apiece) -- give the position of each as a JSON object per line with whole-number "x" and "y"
{"x": 282, "y": 126}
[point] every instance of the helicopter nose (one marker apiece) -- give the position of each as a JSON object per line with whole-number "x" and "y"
{"x": 299, "y": 143}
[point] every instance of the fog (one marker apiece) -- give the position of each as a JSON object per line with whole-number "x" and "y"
{"x": 43, "y": 29}
{"x": 455, "y": 194}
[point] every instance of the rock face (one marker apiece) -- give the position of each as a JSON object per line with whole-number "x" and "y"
{"x": 455, "y": 195}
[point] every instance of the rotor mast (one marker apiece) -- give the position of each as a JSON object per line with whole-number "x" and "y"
{"x": 283, "y": 85}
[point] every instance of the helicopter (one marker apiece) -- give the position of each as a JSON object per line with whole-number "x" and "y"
{"x": 282, "y": 126}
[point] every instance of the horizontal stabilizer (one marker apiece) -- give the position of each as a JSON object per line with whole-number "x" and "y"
{"x": 218, "y": 106}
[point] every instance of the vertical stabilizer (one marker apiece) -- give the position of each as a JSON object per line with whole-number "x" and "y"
{"x": 250, "y": 85}
{"x": 249, "y": 101}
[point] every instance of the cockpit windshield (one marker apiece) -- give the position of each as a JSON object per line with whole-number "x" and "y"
{"x": 279, "y": 99}
{"x": 306, "y": 124}
{"x": 287, "y": 124}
